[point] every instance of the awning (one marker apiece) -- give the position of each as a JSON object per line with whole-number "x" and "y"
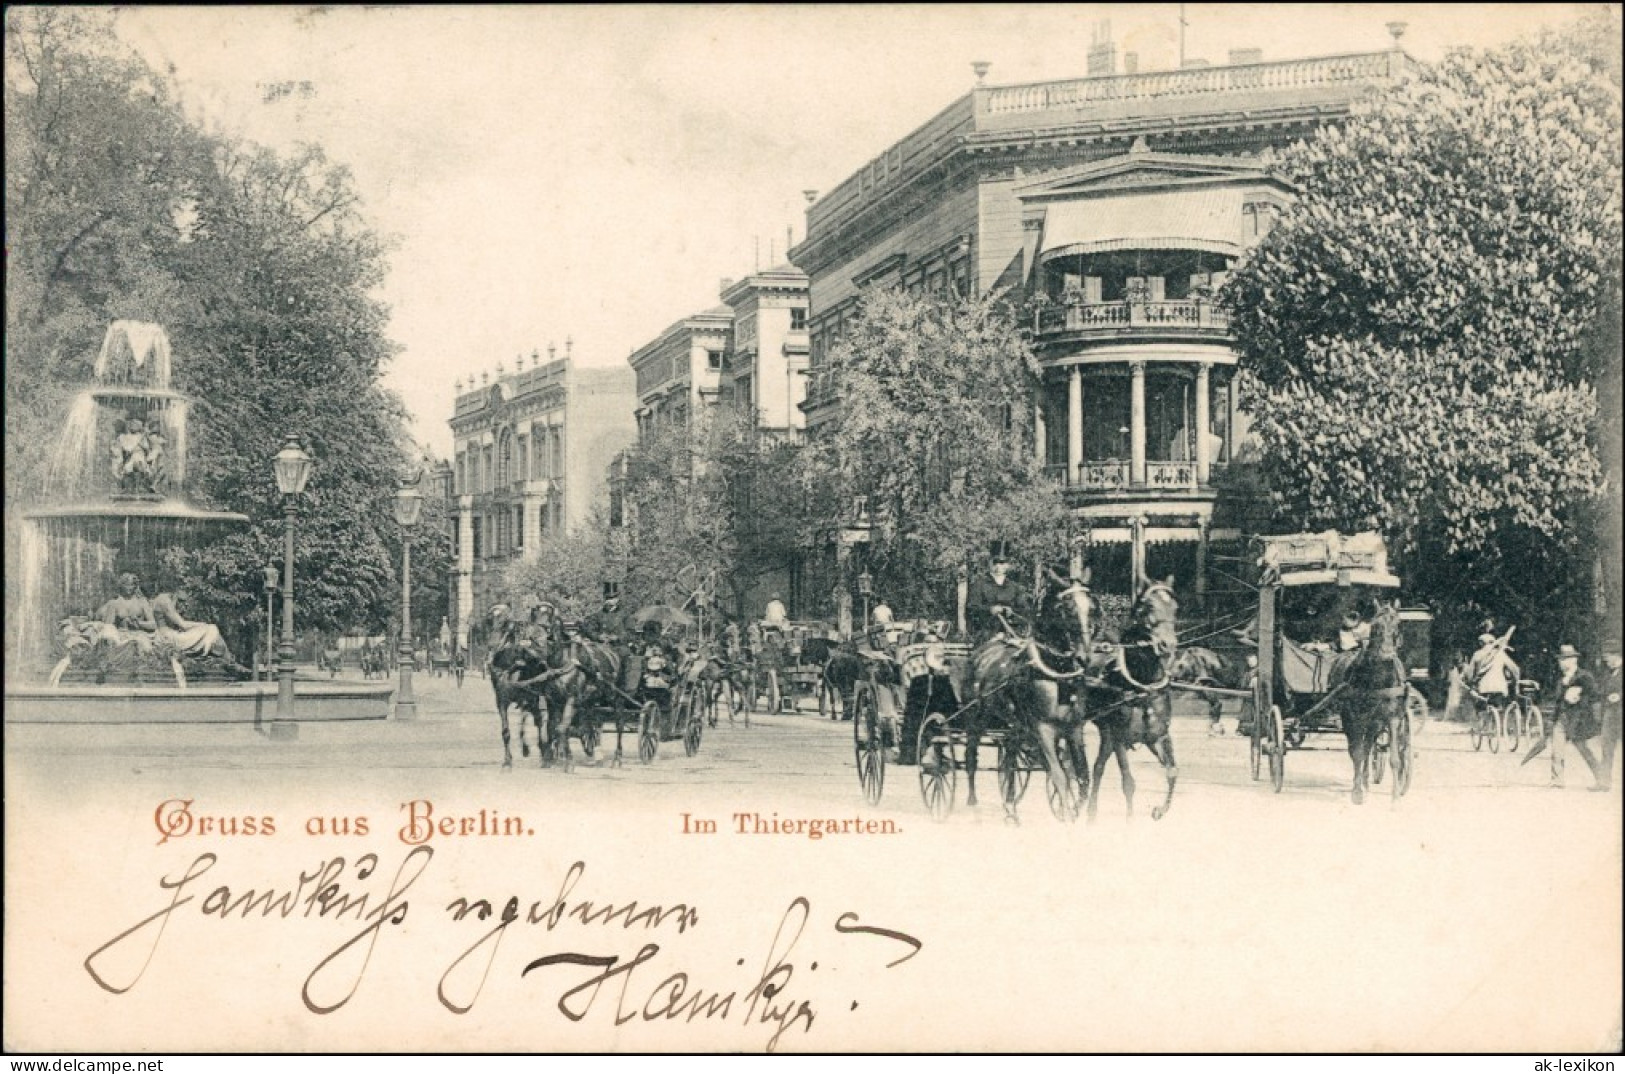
{"x": 1197, "y": 219}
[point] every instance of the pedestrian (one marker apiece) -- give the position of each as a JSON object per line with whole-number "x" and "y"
{"x": 1574, "y": 717}
{"x": 1609, "y": 687}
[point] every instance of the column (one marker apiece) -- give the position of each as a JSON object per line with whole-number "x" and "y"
{"x": 1201, "y": 565}
{"x": 1074, "y": 425}
{"x": 1137, "y": 423}
{"x": 465, "y": 568}
{"x": 1204, "y": 455}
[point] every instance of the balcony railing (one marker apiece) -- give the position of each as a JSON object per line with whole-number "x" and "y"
{"x": 1286, "y": 75}
{"x": 821, "y": 388}
{"x": 1116, "y": 475}
{"x": 1079, "y": 316}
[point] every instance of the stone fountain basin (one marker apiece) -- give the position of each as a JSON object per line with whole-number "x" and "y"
{"x": 315, "y": 701}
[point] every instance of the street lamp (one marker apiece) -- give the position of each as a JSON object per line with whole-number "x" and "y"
{"x": 866, "y": 589}
{"x": 292, "y": 469}
{"x": 270, "y": 620}
{"x": 408, "y": 509}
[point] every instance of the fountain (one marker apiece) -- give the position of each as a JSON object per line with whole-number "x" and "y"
{"x": 87, "y": 654}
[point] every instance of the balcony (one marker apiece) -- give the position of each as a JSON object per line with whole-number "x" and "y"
{"x": 1116, "y": 476}
{"x": 1078, "y": 318}
{"x": 821, "y": 389}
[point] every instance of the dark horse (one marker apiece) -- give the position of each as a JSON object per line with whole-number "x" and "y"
{"x": 1130, "y": 702}
{"x": 580, "y": 673}
{"x": 840, "y": 668}
{"x": 1374, "y": 694}
{"x": 514, "y": 657}
{"x": 1027, "y": 683}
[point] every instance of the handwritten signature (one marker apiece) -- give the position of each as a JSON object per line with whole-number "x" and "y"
{"x": 374, "y": 903}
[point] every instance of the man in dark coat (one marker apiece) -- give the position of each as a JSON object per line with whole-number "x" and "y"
{"x": 994, "y": 594}
{"x": 1609, "y": 687}
{"x": 1575, "y": 714}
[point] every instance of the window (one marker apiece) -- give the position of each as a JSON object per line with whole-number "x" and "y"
{"x": 713, "y": 359}
{"x": 798, "y": 319}
{"x": 477, "y": 527}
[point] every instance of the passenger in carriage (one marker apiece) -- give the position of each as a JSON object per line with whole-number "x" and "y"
{"x": 1354, "y": 632}
{"x": 994, "y": 599}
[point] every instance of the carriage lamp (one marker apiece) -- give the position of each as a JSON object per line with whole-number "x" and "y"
{"x": 408, "y": 509}
{"x": 292, "y": 469}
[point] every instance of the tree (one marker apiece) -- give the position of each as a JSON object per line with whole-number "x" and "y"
{"x": 932, "y": 451}
{"x": 1418, "y": 333}
{"x": 568, "y": 572}
{"x": 263, "y": 270}
{"x": 678, "y": 537}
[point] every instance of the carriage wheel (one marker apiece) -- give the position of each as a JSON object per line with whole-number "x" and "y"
{"x": 1416, "y": 707}
{"x": 1514, "y": 726}
{"x": 1015, "y": 772}
{"x": 1277, "y": 748}
{"x": 648, "y": 731}
{"x": 1404, "y": 758}
{"x": 937, "y": 774}
{"x": 1475, "y": 730}
{"x": 691, "y": 734}
{"x": 689, "y": 718}
{"x": 1496, "y": 730}
{"x": 868, "y": 745}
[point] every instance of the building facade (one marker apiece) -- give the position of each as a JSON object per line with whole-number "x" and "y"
{"x": 764, "y": 369}
{"x": 531, "y": 450}
{"x": 679, "y": 373}
{"x": 1115, "y": 204}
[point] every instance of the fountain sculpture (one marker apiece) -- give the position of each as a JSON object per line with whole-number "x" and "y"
{"x": 96, "y": 646}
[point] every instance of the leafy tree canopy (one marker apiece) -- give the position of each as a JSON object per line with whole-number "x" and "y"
{"x": 262, "y": 269}
{"x": 1419, "y": 331}
{"x": 933, "y": 445}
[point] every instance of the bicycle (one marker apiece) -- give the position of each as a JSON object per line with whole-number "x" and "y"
{"x": 1525, "y": 721}
{"x": 1489, "y": 722}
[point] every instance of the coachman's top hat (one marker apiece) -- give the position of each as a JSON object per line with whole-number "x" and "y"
{"x": 1567, "y": 651}
{"x": 999, "y": 552}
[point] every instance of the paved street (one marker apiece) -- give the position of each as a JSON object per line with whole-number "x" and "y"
{"x": 1243, "y": 919}
{"x": 798, "y": 755}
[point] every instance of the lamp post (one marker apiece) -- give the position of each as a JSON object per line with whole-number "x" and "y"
{"x": 270, "y": 619}
{"x": 408, "y": 509}
{"x": 866, "y": 589}
{"x": 292, "y": 469}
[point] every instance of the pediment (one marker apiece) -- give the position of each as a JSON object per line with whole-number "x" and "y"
{"x": 1147, "y": 171}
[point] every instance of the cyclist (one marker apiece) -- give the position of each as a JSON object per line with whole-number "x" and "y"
{"x": 1492, "y": 674}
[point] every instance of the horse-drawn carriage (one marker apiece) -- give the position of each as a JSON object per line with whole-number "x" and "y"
{"x": 1025, "y": 694}
{"x": 910, "y": 702}
{"x": 789, "y": 659}
{"x": 1364, "y": 689}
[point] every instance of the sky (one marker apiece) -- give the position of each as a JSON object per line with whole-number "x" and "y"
{"x": 593, "y": 173}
